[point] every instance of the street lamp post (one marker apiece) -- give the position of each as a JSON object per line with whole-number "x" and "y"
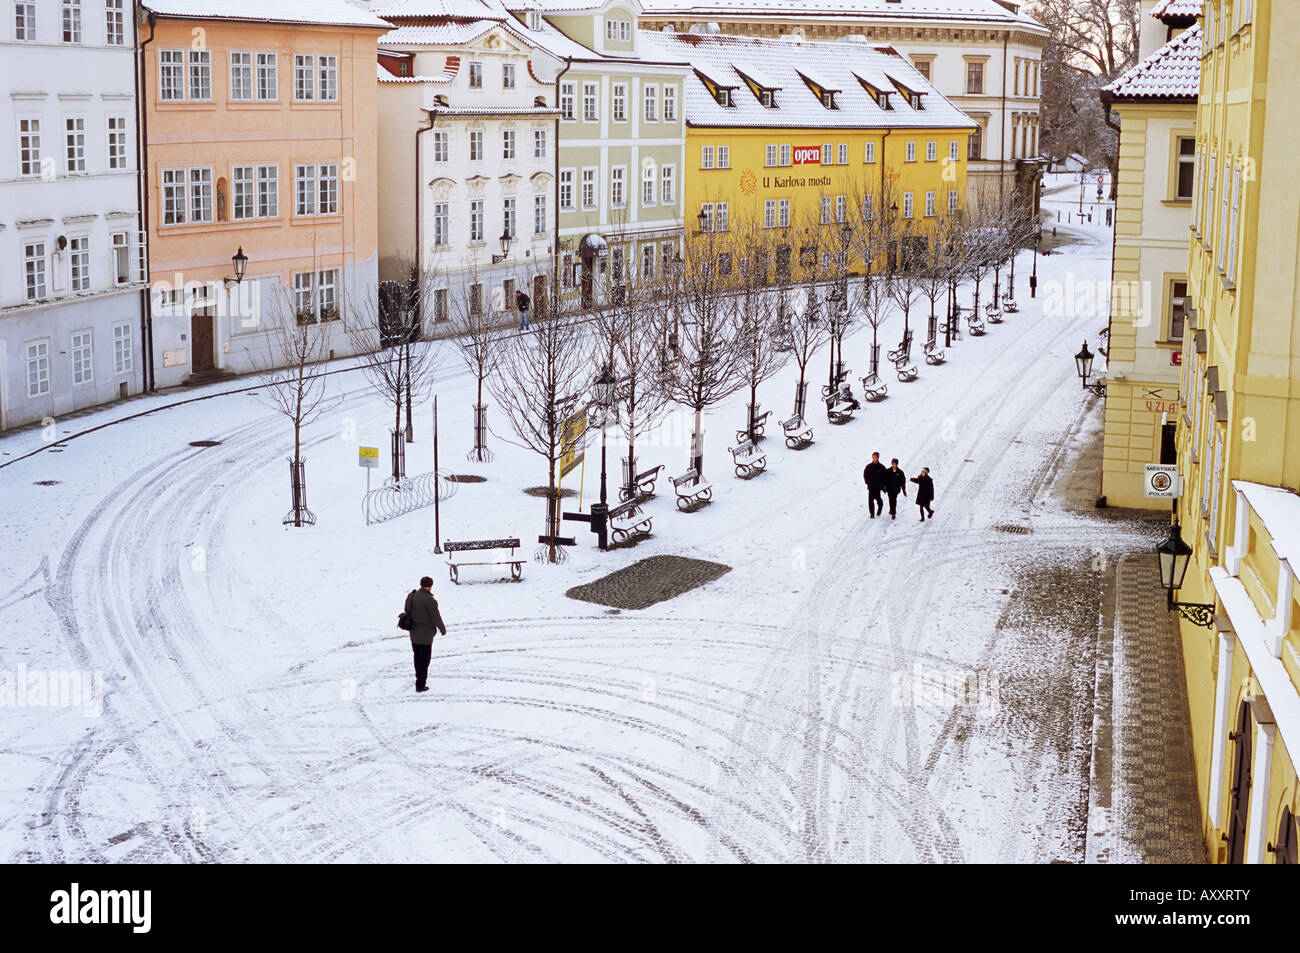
{"x": 604, "y": 392}
{"x": 1083, "y": 365}
{"x": 505, "y": 247}
{"x": 1174, "y": 555}
{"x": 1033, "y": 278}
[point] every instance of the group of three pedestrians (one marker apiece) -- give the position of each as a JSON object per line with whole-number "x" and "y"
{"x": 892, "y": 481}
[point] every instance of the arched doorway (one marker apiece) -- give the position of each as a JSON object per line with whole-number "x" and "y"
{"x": 1240, "y": 805}
{"x": 1286, "y": 849}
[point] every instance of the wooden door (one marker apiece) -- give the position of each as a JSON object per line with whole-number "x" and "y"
{"x": 1240, "y": 805}
{"x": 201, "y": 340}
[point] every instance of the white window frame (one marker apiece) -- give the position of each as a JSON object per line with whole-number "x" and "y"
{"x": 266, "y": 77}
{"x": 123, "y": 353}
{"x": 650, "y": 102}
{"x": 441, "y": 146}
{"x": 929, "y": 204}
{"x": 268, "y": 190}
{"x": 243, "y": 193}
{"x": 568, "y": 184}
{"x": 618, "y": 102}
{"x": 81, "y": 356}
{"x": 568, "y": 99}
{"x": 304, "y": 189}
{"x": 869, "y": 153}
{"x": 668, "y": 184}
{"x": 74, "y": 145}
{"x": 509, "y": 144}
{"x": 907, "y": 205}
{"x": 70, "y": 21}
{"x": 590, "y": 102}
{"x": 79, "y": 263}
{"x": 172, "y": 82}
{"x": 37, "y": 353}
{"x": 782, "y": 213}
{"x": 669, "y": 113}
{"x": 1234, "y": 226}
{"x": 327, "y": 78}
{"x": 540, "y": 219}
{"x": 590, "y": 187}
{"x": 25, "y": 21}
{"x": 304, "y": 77}
{"x": 772, "y": 156}
{"x": 724, "y": 157}
{"x": 931, "y": 151}
{"x": 618, "y": 186}
{"x": 785, "y": 155}
{"x": 769, "y": 213}
{"x": 842, "y": 156}
{"x": 539, "y": 143}
{"x": 114, "y": 23}
{"x": 706, "y": 157}
{"x": 477, "y": 229}
{"x": 909, "y": 151}
{"x": 198, "y": 76}
{"x": 441, "y": 224}
{"x": 242, "y": 82}
{"x": 115, "y": 141}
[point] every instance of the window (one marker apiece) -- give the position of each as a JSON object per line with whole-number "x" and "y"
{"x": 539, "y": 143}
{"x": 440, "y": 305}
{"x": 720, "y": 216}
{"x": 620, "y": 102}
{"x": 1209, "y": 205}
{"x": 1177, "y": 310}
{"x": 173, "y": 196}
{"x": 1233, "y": 226}
{"x": 304, "y": 69}
{"x": 647, "y": 262}
{"x": 566, "y": 100}
{"x": 929, "y": 204}
{"x": 1186, "y": 168}
{"x": 826, "y": 209}
{"x": 304, "y": 177}
{"x": 909, "y": 152}
{"x": 868, "y": 207}
{"x": 954, "y": 150}
{"x": 539, "y": 214}
{"x": 588, "y": 188}
{"x": 74, "y": 139}
{"x": 441, "y": 224}
{"x": 24, "y": 20}
{"x": 670, "y": 104}
{"x": 476, "y": 220}
{"x": 907, "y": 205}
{"x": 769, "y": 213}
{"x": 242, "y": 186}
{"x": 267, "y": 83}
{"x": 79, "y": 262}
{"x": 771, "y": 159}
{"x": 327, "y": 76}
{"x": 827, "y": 154}
{"x": 952, "y": 201}
{"x": 268, "y": 191}
{"x": 83, "y": 368}
{"x": 647, "y": 184}
{"x": 617, "y": 192}
{"x": 783, "y": 213}
{"x": 241, "y": 76}
{"x": 1213, "y": 528}
{"x": 1196, "y": 191}
{"x": 38, "y": 368}
{"x": 724, "y": 157}
{"x": 566, "y": 188}
{"x": 441, "y": 141}
{"x": 785, "y": 155}
{"x": 973, "y": 144}
{"x": 329, "y": 190}
{"x": 476, "y": 298}
{"x": 589, "y": 102}
{"x": 71, "y": 21}
{"x": 706, "y": 209}
{"x": 200, "y": 196}
{"x": 869, "y": 152}
{"x": 116, "y": 142}
{"x": 668, "y": 182}
{"x": 842, "y": 156}
{"x": 923, "y": 67}
{"x": 706, "y": 157}
{"x": 122, "y": 357}
{"x": 841, "y": 208}
{"x": 650, "y": 103}
{"x": 476, "y": 145}
{"x": 114, "y": 23}
{"x": 122, "y": 258}
{"x": 507, "y": 144}
{"x": 508, "y": 217}
{"x": 200, "y": 75}
{"x": 171, "y": 75}
{"x": 315, "y": 296}
{"x": 931, "y": 151}
{"x": 1223, "y": 213}
{"x": 475, "y": 75}
{"x": 507, "y": 75}
{"x": 828, "y": 99}
{"x": 974, "y": 78}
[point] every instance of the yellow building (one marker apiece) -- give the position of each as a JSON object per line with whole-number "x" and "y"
{"x": 785, "y": 134}
{"x": 1155, "y": 102}
{"x": 1239, "y": 431}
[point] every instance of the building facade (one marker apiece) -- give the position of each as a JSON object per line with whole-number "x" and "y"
{"x": 260, "y": 137}
{"x": 1155, "y": 103}
{"x": 1238, "y": 430}
{"x": 982, "y": 55}
{"x": 71, "y": 276}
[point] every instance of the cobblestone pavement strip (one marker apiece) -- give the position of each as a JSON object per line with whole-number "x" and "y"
{"x": 649, "y": 581}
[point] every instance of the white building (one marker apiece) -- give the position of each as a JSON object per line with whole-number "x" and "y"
{"x": 71, "y": 260}
{"x": 459, "y": 87}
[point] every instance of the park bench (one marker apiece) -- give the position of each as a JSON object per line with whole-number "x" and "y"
{"x": 992, "y": 313}
{"x": 975, "y": 324}
{"x": 840, "y": 407}
{"x": 874, "y": 388}
{"x": 475, "y": 546}
{"x": 903, "y": 350}
{"x": 748, "y": 459}
{"x": 760, "y": 425}
{"x": 1009, "y": 304}
{"x": 644, "y": 482}
{"x": 627, "y": 519}
{"x": 902, "y": 359}
{"x": 691, "y": 488}
{"x": 797, "y": 433}
{"x": 841, "y": 375}
{"x": 906, "y": 372}
{"x": 933, "y": 354}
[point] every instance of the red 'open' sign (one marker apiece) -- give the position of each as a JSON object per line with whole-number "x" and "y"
{"x": 807, "y": 155}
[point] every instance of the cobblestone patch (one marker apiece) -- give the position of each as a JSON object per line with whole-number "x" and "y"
{"x": 649, "y": 581}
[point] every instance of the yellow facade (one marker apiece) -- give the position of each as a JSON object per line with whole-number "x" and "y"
{"x": 748, "y": 182}
{"x": 1239, "y": 414}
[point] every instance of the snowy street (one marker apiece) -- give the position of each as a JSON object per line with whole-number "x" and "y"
{"x": 257, "y": 696}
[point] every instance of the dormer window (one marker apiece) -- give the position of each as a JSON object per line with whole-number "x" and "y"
{"x": 824, "y": 92}
{"x": 766, "y": 99}
{"x": 534, "y": 19}
{"x": 828, "y": 99}
{"x": 723, "y": 96}
{"x": 914, "y": 100}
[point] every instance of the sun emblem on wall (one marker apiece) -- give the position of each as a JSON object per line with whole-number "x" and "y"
{"x": 748, "y": 182}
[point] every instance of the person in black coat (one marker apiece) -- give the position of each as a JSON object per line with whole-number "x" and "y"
{"x": 924, "y": 493}
{"x": 426, "y": 622}
{"x": 895, "y": 483}
{"x": 521, "y": 304}
{"x": 874, "y": 477}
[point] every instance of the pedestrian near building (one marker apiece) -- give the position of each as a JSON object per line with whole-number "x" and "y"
{"x": 522, "y": 303}
{"x": 895, "y": 483}
{"x": 426, "y": 622}
{"x": 924, "y": 493}
{"x": 874, "y": 477}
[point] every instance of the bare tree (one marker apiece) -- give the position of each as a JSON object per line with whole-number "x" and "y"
{"x": 292, "y": 380}
{"x": 759, "y": 337}
{"x": 477, "y": 337}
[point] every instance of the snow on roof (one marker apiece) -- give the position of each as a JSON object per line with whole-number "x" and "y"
{"x": 323, "y": 12}
{"x": 985, "y": 11}
{"x": 1279, "y": 510}
{"x": 440, "y": 34}
{"x": 836, "y": 66}
{"x": 440, "y": 9}
{"x": 1172, "y": 72}
{"x": 1176, "y": 9}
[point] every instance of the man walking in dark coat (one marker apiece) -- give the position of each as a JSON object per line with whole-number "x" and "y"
{"x": 924, "y": 492}
{"x": 874, "y": 477}
{"x": 522, "y": 303}
{"x": 895, "y": 483}
{"x": 426, "y": 622}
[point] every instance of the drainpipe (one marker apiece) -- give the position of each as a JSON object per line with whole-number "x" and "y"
{"x": 1002, "y": 161}
{"x": 419, "y": 199}
{"x": 142, "y": 197}
{"x": 556, "y": 257}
